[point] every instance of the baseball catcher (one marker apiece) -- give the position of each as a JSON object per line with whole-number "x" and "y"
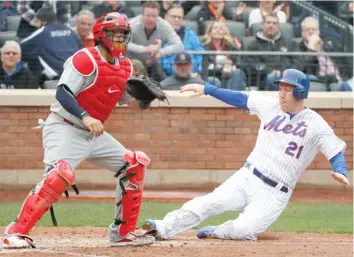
{"x": 145, "y": 89}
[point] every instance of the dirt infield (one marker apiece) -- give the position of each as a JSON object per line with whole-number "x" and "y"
{"x": 92, "y": 242}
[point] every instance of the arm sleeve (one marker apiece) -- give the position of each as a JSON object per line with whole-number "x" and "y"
{"x": 228, "y": 96}
{"x": 338, "y": 164}
{"x": 29, "y": 49}
{"x": 260, "y": 104}
{"x": 68, "y": 101}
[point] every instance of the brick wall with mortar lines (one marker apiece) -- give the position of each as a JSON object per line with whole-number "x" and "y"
{"x": 174, "y": 138}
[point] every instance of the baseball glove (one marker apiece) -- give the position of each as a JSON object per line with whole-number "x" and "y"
{"x": 145, "y": 89}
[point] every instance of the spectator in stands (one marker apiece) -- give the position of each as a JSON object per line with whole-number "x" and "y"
{"x": 266, "y": 7}
{"x": 321, "y": 67}
{"x": 183, "y": 66}
{"x": 347, "y": 11}
{"x": 13, "y": 75}
{"x": 46, "y": 49}
{"x": 225, "y": 68}
{"x": 174, "y": 16}
{"x": 149, "y": 33}
{"x": 84, "y": 24}
{"x": 112, "y": 6}
{"x": 269, "y": 39}
{"x": 28, "y": 10}
{"x": 7, "y": 9}
{"x": 164, "y": 6}
{"x": 213, "y": 10}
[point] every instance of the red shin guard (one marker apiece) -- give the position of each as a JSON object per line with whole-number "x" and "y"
{"x": 38, "y": 202}
{"x": 133, "y": 192}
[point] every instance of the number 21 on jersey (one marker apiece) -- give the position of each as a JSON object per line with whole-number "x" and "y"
{"x": 294, "y": 150}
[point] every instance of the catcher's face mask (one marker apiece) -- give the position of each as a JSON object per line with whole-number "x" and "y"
{"x": 113, "y": 32}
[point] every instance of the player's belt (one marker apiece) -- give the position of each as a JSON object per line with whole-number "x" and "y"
{"x": 73, "y": 124}
{"x": 265, "y": 179}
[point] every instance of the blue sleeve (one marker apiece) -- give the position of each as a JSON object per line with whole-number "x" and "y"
{"x": 228, "y": 96}
{"x": 338, "y": 164}
{"x": 68, "y": 101}
{"x": 29, "y": 49}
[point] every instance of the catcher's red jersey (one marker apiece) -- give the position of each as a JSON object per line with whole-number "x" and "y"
{"x": 100, "y": 98}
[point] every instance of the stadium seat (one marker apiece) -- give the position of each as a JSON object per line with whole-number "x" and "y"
{"x": 72, "y": 22}
{"x": 50, "y": 84}
{"x": 13, "y": 22}
{"x": 246, "y": 41}
{"x": 7, "y": 35}
{"x": 192, "y": 14}
{"x": 237, "y": 28}
{"x": 317, "y": 87}
{"x": 136, "y": 9}
{"x": 193, "y": 25}
{"x": 246, "y": 15}
{"x": 132, "y": 3}
{"x": 287, "y": 30}
{"x": 333, "y": 86}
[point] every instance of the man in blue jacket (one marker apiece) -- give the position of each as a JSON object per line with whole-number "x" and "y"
{"x": 47, "y": 48}
{"x": 190, "y": 40}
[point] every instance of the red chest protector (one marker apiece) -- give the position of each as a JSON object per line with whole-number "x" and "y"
{"x": 100, "y": 98}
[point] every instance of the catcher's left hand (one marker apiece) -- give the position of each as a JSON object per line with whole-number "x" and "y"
{"x": 145, "y": 89}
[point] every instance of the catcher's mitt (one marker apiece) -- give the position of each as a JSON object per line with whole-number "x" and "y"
{"x": 145, "y": 89}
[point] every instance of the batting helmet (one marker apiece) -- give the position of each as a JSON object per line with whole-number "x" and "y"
{"x": 112, "y": 20}
{"x": 297, "y": 79}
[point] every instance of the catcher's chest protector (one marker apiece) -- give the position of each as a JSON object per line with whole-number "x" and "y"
{"x": 38, "y": 202}
{"x": 100, "y": 98}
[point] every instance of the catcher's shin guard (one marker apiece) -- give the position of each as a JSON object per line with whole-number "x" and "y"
{"x": 39, "y": 201}
{"x": 131, "y": 184}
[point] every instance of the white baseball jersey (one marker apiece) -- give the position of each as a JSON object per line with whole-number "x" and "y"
{"x": 77, "y": 83}
{"x": 286, "y": 147}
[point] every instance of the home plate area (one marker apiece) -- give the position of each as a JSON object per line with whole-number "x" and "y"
{"x": 92, "y": 242}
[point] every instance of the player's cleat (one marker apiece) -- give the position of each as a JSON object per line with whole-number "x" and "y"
{"x": 139, "y": 237}
{"x": 150, "y": 226}
{"x": 206, "y": 232}
{"x": 17, "y": 242}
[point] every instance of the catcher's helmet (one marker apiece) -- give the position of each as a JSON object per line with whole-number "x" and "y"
{"x": 297, "y": 79}
{"x": 113, "y": 20}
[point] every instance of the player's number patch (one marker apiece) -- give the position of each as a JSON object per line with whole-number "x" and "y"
{"x": 294, "y": 150}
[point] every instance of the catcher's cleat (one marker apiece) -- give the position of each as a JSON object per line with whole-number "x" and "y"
{"x": 206, "y": 232}
{"x": 17, "y": 242}
{"x": 139, "y": 237}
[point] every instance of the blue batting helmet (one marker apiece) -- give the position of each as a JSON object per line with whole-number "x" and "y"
{"x": 299, "y": 80}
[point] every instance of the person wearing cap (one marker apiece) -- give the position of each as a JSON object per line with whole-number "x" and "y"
{"x": 183, "y": 65}
{"x": 29, "y": 9}
{"x": 47, "y": 48}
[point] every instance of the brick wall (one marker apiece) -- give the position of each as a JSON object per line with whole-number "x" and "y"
{"x": 174, "y": 138}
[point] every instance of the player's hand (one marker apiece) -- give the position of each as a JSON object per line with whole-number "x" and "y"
{"x": 340, "y": 178}
{"x": 95, "y": 126}
{"x": 197, "y": 89}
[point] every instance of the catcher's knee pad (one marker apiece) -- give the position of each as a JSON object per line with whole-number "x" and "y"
{"x": 136, "y": 163}
{"x": 39, "y": 201}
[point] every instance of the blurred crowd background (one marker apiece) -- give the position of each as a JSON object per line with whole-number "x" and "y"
{"x": 239, "y": 45}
